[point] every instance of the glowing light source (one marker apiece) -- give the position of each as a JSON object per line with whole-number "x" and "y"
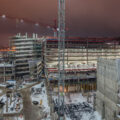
{"x": 48, "y": 27}
{"x": 57, "y": 29}
{"x": 3, "y": 16}
{"x": 65, "y": 90}
{"x": 13, "y": 48}
{"x": 61, "y": 89}
{"x": 21, "y": 20}
{"x": 36, "y": 24}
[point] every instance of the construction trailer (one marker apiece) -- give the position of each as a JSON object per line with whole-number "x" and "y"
{"x": 81, "y": 56}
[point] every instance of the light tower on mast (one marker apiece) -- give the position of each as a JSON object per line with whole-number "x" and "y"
{"x": 61, "y": 52}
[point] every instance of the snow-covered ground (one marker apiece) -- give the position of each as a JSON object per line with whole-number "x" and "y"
{"x": 74, "y": 98}
{"x": 38, "y": 93}
{"x": 25, "y": 85}
{"x": 19, "y": 118}
{"x": 2, "y": 85}
{"x": 18, "y": 85}
{"x": 77, "y": 107}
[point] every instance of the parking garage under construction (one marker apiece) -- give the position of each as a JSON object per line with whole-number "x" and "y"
{"x": 81, "y": 56}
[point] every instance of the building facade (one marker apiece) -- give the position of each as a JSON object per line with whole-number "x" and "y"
{"x": 7, "y": 72}
{"x": 108, "y": 89}
{"x": 26, "y": 48}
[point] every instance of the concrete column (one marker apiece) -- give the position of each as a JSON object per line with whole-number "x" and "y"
{"x": 10, "y": 98}
{"x": 7, "y": 105}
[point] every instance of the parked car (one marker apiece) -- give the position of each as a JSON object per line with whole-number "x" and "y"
{"x": 18, "y": 94}
{"x": 35, "y": 102}
{"x": 42, "y": 85}
{"x": 9, "y": 86}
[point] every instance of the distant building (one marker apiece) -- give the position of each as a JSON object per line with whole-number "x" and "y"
{"x": 4, "y": 56}
{"x": 108, "y": 89}
{"x": 27, "y": 48}
{"x": 36, "y": 69}
{"x": 6, "y": 72}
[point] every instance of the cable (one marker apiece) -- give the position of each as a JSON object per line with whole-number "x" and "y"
{"x": 22, "y": 20}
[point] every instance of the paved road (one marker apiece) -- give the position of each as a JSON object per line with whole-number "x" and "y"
{"x": 31, "y": 112}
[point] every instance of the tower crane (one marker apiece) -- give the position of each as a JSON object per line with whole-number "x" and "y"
{"x": 61, "y": 52}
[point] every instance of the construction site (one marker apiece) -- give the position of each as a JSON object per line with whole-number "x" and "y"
{"x": 81, "y": 55}
{"x": 82, "y": 76}
{"x": 60, "y": 76}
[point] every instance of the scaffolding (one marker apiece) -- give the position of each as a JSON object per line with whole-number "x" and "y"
{"x": 81, "y": 53}
{"x": 83, "y": 50}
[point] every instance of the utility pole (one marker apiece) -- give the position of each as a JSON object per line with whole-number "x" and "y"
{"x": 4, "y": 73}
{"x": 61, "y": 52}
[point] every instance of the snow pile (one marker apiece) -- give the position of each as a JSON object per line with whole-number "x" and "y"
{"x": 38, "y": 93}
{"x": 20, "y": 118}
{"x": 2, "y": 85}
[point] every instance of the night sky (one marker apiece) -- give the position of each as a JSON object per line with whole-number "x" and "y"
{"x": 84, "y": 18}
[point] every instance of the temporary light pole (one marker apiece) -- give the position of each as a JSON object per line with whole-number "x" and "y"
{"x": 61, "y": 52}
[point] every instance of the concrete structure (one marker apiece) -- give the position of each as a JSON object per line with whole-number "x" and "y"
{"x": 82, "y": 50}
{"x": 26, "y": 48}
{"x": 76, "y": 79}
{"x": 5, "y": 56}
{"x": 81, "y": 56}
{"x": 36, "y": 69}
{"x": 6, "y": 72}
{"x": 108, "y": 89}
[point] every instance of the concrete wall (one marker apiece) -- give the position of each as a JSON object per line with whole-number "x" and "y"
{"x": 107, "y": 87}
